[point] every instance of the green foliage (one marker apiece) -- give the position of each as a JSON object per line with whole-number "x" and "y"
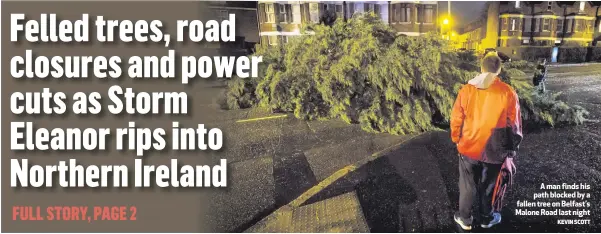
{"x": 545, "y": 109}
{"x": 360, "y": 71}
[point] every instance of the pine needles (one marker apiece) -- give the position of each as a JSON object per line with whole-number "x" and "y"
{"x": 360, "y": 71}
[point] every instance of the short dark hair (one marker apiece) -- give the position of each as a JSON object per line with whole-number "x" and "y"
{"x": 492, "y": 62}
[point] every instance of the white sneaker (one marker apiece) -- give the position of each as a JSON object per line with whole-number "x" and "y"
{"x": 462, "y": 224}
{"x": 496, "y": 220}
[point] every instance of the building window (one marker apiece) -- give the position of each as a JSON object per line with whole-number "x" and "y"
{"x": 549, "y": 4}
{"x": 559, "y": 26}
{"x": 546, "y": 25}
{"x": 517, "y": 4}
{"x": 332, "y": 7}
{"x": 351, "y": 8}
{"x": 429, "y": 14}
{"x": 339, "y": 10}
{"x": 582, "y": 4}
{"x": 578, "y": 25}
{"x": 272, "y": 40}
{"x": 514, "y": 24}
{"x": 404, "y": 13}
{"x": 589, "y": 26}
{"x": 504, "y": 24}
{"x": 527, "y": 24}
{"x": 368, "y": 7}
{"x": 296, "y": 13}
{"x": 283, "y": 13}
{"x": 377, "y": 9}
{"x": 537, "y": 25}
{"x": 600, "y": 26}
{"x": 425, "y": 14}
{"x": 570, "y": 26}
{"x": 269, "y": 13}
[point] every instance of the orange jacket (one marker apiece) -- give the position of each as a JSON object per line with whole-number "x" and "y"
{"x": 486, "y": 120}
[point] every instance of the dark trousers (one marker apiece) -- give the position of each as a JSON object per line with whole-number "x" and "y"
{"x": 476, "y": 182}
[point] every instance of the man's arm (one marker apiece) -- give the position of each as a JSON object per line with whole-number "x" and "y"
{"x": 514, "y": 123}
{"x": 457, "y": 117}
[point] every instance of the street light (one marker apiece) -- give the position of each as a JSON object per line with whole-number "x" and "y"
{"x": 445, "y": 21}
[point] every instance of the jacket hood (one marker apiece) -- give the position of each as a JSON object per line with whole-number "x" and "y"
{"x": 483, "y": 81}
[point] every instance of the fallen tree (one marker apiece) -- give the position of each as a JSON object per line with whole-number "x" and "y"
{"x": 360, "y": 71}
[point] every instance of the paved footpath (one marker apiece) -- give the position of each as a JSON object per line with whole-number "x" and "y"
{"x": 274, "y": 158}
{"x": 412, "y": 187}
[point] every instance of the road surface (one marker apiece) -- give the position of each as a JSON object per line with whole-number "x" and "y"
{"x": 413, "y": 188}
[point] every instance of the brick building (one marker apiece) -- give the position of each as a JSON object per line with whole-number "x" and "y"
{"x": 413, "y": 18}
{"x": 280, "y": 20}
{"x": 246, "y": 25}
{"x": 512, "y": 24}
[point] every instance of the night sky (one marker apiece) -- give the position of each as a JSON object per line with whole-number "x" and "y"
{"x": 463, "y": 12}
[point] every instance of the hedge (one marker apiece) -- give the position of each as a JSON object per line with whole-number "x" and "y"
{"x": 532, "y": 53}
{"x": 572, "y": 55}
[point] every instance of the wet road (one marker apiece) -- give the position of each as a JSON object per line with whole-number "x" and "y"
{"x": 414, "y": 188}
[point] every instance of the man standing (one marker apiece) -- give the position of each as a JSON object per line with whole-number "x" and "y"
{"x": 540, "y": 76}
{"x": 486, "y": 127}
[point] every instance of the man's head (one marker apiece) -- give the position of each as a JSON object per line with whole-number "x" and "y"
{"x": 491, "y": 63}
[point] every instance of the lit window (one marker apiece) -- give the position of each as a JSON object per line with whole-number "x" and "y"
{"x": 589, "y": 26}
{"x": 272, "y": 40}
{"x": 582, "y": 4}
{"x": 296, "y": 17}
{"x": 269, "y": 13}
{"x": 513, "y": 24}
{"x": 517, "y": 4}
{"x": 577, "y": 25}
